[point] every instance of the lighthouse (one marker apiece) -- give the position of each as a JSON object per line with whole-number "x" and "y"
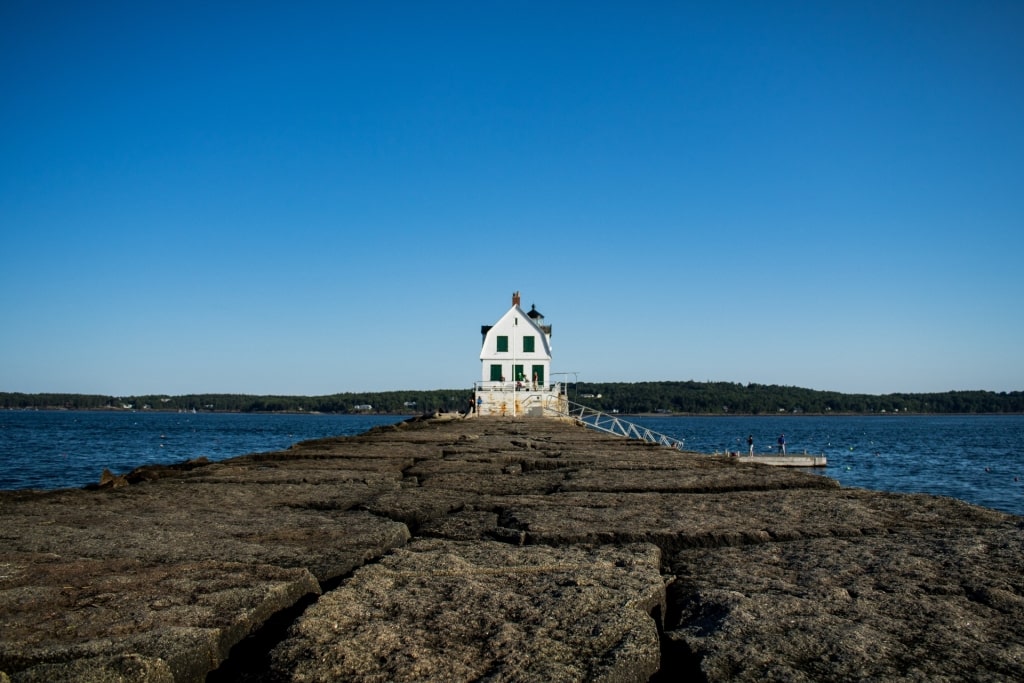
{"x": 515, "y": 362}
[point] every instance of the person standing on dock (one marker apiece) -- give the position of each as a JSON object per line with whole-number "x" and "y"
{"x": 782, "y": 444}
{"x": 750, "y": 444}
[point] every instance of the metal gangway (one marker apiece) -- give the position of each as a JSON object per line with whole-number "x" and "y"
{"x": 613, "y": 424}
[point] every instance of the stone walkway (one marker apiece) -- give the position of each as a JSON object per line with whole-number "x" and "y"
{"x": 502, "y": 550}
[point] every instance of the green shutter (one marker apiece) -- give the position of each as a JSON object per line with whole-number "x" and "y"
{"x": 502, "y": 344}
{"x": 517, "y": 373}
{"x": 528, "y": 344}
{"x": 496, "y": 373}
{"x": 538, "y": 370}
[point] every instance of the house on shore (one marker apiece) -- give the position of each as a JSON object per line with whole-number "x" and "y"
{"x": 515, "y": 360}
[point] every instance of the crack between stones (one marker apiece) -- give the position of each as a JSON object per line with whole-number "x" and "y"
{"x": 249, "y": 660}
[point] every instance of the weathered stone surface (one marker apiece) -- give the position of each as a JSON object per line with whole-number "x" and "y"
{"x": 177, "y": 567}
{"x": 179, "y": 521}
{"x": 116, "y": 669}
{"x": 533, "y": 556}
{"x": 710, "y": 476}
{"x": 464, "y": 525}
{"x": 935, "y": 605}
{"x": 186, "y": 615}
{"x": 712, "y": 520}
{"x": 440, "y": 610}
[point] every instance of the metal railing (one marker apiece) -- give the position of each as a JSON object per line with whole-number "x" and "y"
{"x": 613, "y": 424}
{"x": 525, "y": 385}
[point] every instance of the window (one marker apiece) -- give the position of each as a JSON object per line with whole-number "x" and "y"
{"x": 502, "y": 344}
{"x": 538, "y": 374}
{"x": 528, "y": 344}
{"x": 496, "y": 373}
{"x": 518, "y": 373}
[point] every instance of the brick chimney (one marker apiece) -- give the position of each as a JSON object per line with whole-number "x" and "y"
{"x": 515, "y": 298}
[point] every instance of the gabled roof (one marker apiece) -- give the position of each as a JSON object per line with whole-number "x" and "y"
{"x": 527, "y": 322}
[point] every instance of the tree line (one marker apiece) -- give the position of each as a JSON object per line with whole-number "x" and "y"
{"x": 726, "y": 398}
{"x": 386, "y": 402}
{"x": 693, "y": 398}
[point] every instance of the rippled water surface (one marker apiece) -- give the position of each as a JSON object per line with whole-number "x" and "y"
{"x": 977, "y": 458}
{"x": 58, "y": 449}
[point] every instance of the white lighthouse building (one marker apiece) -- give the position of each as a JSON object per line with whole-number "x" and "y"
{"x": 515, "y": 360}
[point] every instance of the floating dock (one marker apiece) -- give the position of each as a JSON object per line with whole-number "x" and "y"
{"x": 786, "y": 460}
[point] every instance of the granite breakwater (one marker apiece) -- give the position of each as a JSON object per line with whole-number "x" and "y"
{"x": 502, "y": 550}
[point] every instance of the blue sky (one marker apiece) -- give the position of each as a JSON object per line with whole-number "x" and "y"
{"x": 310, "y": 198}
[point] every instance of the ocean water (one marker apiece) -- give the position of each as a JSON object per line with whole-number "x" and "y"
{"x": 977, "y": 458}
{"x": 50, "y": 449}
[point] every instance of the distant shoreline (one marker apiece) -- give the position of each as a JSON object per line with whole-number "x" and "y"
{"x": 652, "y": 399}
{"x": 205, "y": 411}
{"x": 417, "y": 414}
